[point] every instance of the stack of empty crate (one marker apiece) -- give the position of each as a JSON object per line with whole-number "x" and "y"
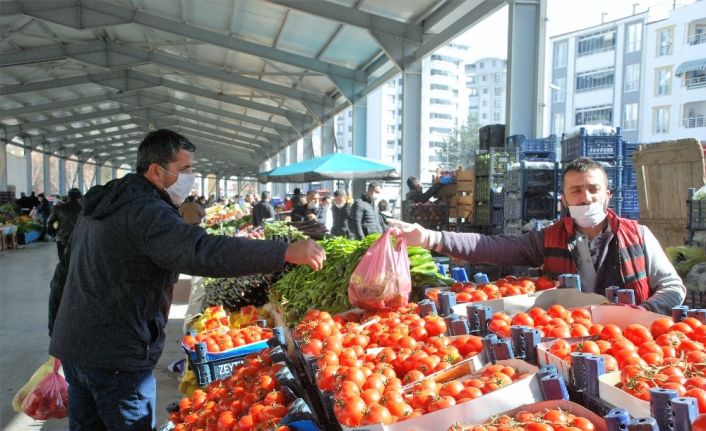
{"x": 491, "y": 166}
{"x": 605, "y": 148}
{"x": 531, "y": 186}
{"x": 462, "y": 201}
{"x": 630, "y": 207}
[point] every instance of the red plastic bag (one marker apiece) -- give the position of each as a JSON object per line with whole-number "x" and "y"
{"x": 381, "y": 279}
{"x": 50, "y": 398}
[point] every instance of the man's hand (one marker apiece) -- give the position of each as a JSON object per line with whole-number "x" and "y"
{"x": 415, "y": 235}
{"x": 306, "y": 252}
{"x": 312, "y": 216}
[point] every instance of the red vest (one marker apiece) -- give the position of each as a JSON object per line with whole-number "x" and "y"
{"x": 558, "y": 259}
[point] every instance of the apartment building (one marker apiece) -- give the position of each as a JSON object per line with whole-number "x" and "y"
{"x": 485, "y": 82}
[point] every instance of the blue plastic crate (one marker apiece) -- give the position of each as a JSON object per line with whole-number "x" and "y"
{"x": 628, "y": 149}
{"x": 630, "y": 200}
{"x": 598, "y": 147}
{"x": 539, "y": 156}
{"x": 534, "y": 145}
{"x": 629, "y": 176}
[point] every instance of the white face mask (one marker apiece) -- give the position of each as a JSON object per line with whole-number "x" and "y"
{"x": 312, "y": 205}
{"x": 181, "y": 188}
{"x": 339, "y": 205}
{"x": 588, "y": 216}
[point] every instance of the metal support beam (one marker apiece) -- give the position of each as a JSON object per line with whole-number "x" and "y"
{"x": 47, "y": 173}
{"x": 114, "y": 170}
{"x": 62, "y": 176}
{"x": 79, "y": 176}
{"x": 360, "y": 127}
{"x": 203, "y": 185}
{"x": 98, "y": 174}
{"x": 3, "y": 166}
{"x": 411, "y": 124}
{"x": 28, "y": 167}
{"x": 525, "y": 67}
{"x": 308, "y": 146}
{"x": 328, "y": 144}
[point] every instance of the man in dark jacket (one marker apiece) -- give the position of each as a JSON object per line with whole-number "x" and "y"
{"x": 590, "y": 240}
{"x": 341, "y": 213}
{"x": 366, "y": 219}
{"x": 43, "y": 212}
{"x": 110, "y": 297}
{"x": 262, "y": 210}
{"x": 66, "y": 214}
{"x": 415, "y": 193}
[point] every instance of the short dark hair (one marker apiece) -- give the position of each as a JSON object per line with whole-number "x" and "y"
{"x": 373, "y": 184}
{"x": 297, "y": 191}
{"x": 338, "y": 193}
{"x": 383, "y": 205}
{"x": 583, "y": 165}
{"x": 161, "y": 147}
{"x": 265, "y": 195}
{"x": 75, "y": 194}
{"x": 412, "y": 182}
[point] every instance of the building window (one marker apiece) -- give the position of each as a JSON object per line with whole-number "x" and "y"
{"x": 391, "y": 99}
{"x": 660, "y": 119}
{"x": 497, "y": 104}
{"x": 498, "y": 91}
{"x": 391, "y": 143}
{"x": 435, "y": 144}
{"x": 440, "y": 116}
{"x": 559, "y": 90}
{"x": 558, "y": 127}
{"x": 595, "y": 115}
{"x": 434, "y": 158}
{"x": 495, "y": 63}
{"x": 560, "y": 50}
{"x": 596, "y": 42}
{"x": 439, "y": 87}
{"x": 496, "y": 116}
{"x": 446, "y": 58}
{"x": 391, "y": 115}
{"x": 665, "y": 40}
{"x": 481, "y": 65}
{"x": 634, "y": 39}
{"x": 390, "y": 129}
{"x": 443, "y": 130}
{"x": 471, "y": 79}
{"x": 435, "y": 101}
{"x": 484, "y": 103}
{"x": 663, "y": 81}
{"x": 440, "y": 72}
{"x": 485, "y": 91}
{"x": 472, "y": 91}
{"x": 485, "y": 116}
{"x": 497, "y": 78}
{"x": 632, "y": 77}
{"x": 630, "y": 116}
{"x": 483, "y": 78}
{"x": 594, "y": 79}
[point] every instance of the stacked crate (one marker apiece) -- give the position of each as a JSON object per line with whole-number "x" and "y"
{"x": 530, "y": 193}
{"x": 630, "y": 207}
{"x": 606, "y": 149}
{"x": 491, "y": 166}
{"x": 462, "y": 200}
{"x": 491, "y": 136}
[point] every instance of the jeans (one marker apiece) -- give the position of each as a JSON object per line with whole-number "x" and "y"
{"x": 102, "y": 399}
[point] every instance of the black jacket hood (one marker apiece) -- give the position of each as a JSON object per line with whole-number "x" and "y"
{"x": 102, "y": 201}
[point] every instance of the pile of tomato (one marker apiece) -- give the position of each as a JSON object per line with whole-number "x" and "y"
{"x": 555, "y": 322}
{"x": 223, "y": 339}
{"x": 668, "y": 355}
{"x": 508, "y": 286}
{"x": 370, "y": 365}
{"x": 547, "y": 420}
{"x": 248, "y": 400}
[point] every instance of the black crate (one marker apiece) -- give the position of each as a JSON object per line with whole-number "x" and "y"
{"x": 527, "y": 179}
{"x": 528, "y": 206}
{"x": 614, "y": 171}
{"x": 549, "y": 144}
{"x": 492, "y": 135}
{"x": 487, "y": 215}
{"x": 539, "y": 157}
{"x": 697, "y": 215}
{"x": 485, "y": 184}
{"x": 429, "y": 215}
{"x": 597, "y": 147}
{"x": 512, "y": 227}
{"x": 494, "y": 161}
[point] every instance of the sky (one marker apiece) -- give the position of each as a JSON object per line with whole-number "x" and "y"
{"x": 564, "y": 16}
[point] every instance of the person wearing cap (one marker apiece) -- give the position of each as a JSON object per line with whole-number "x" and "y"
{"x": 65, "y": 214}
{"x": 590, "y": 240}
{"x": 415, "y": 193}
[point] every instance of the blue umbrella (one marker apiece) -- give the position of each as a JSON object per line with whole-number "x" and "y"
{"x": 339, "y": 166}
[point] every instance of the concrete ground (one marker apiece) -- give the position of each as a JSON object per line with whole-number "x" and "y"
{"x": 24, "y": 291}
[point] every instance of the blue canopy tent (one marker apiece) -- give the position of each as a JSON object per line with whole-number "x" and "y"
{"x": 337, "y": 166}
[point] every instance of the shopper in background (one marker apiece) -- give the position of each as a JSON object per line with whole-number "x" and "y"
{"x": 589, "y": 240}
{"x": 111, "y": 295}
{"x": 326, "y": 212}
{"x": 43, "y": 211}
{"x": 25, "y": 203}
{"x": 65, "y": 214}
{"x": 385, "y": 213}
{"x": 191, "y": 212}
{"x": 415, "y": 194}
{"x": 301, "y": 211}
{"x": 366, "y": 219}
{"x": 263, "y": 210}
{"x": 34, "y": 199}
{"x": 202, "y": 202}
{"x": 340, "y": 214}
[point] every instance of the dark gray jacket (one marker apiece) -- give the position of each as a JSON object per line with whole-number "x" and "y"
{"x": 366, "y": 219}
{"x": 67, "y": 215}
{"x": 110, "y": 297}
{"x": 261, "y": 211}
{"x": 341, "y": 217}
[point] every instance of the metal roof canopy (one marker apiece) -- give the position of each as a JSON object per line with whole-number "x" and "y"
{"x": 243, "y": 79}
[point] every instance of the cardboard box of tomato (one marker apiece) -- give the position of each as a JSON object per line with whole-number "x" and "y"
{"x": 618, "y": 315}
{"x": 569, "y": 298}
{"x": 526, "y": 390}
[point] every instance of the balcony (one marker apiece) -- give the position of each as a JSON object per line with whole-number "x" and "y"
{"x": 695, "y": 82}
{"x": 696, "y": 39}
{"x": 695, "y": 121}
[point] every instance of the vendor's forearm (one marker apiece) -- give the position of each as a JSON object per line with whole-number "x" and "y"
{"x": 526, "y": 250}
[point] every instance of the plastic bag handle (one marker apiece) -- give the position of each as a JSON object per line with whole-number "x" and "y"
{"x": 57, "y": 365}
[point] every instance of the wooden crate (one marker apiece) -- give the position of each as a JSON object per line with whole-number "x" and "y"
{"x": 665, "y": 172}
{"x": 465, "y": 199}
{"x": 465, "y": 186}
{"x": 465, "y": 175}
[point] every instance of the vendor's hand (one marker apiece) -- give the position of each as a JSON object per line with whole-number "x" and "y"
{"x": 306, "y": 252}
{"x": 415, "y": 235}
{"x": 312, "y": 216}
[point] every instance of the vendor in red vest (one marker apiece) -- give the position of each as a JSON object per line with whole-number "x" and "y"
{"x": 589, "y": 240}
